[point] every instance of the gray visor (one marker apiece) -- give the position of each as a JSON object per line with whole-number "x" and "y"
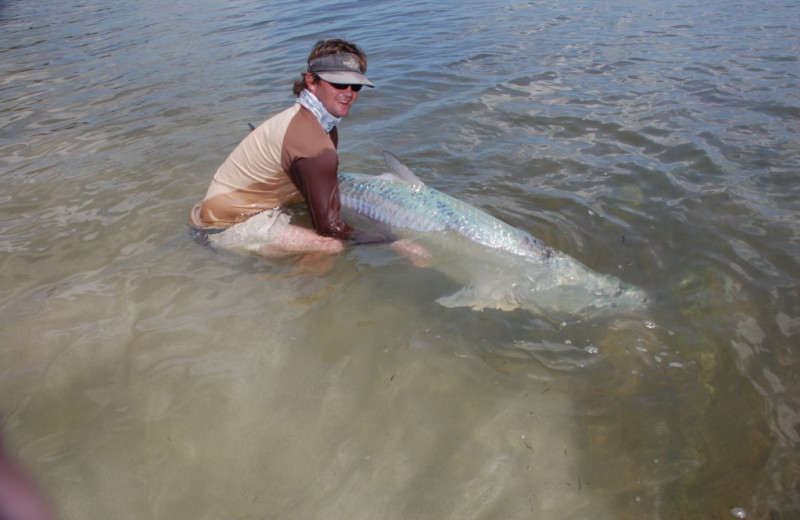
{"x": 339, "y": 68}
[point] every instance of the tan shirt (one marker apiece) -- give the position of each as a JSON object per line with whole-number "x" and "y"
{"x": 287, "y": 159}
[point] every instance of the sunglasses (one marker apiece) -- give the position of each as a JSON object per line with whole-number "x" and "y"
{"x": 343, "y": 86}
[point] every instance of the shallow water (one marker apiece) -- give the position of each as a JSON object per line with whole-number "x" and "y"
{"x": 144, "y": 375}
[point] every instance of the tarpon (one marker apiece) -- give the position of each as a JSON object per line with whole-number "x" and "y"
{"x": 504, "y": 267}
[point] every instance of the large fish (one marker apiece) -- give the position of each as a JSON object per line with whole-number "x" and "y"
{"x": 501, "y": 266}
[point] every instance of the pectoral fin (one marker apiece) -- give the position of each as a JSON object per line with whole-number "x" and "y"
{"x": 483, "y": 297}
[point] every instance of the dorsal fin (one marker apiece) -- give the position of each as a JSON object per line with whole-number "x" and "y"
{"x": 400, "y": 169}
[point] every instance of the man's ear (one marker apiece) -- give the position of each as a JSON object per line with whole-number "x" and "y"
{"x": 312, "y": 82}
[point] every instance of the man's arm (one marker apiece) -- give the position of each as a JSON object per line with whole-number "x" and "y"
{"x": 317, "y": 181}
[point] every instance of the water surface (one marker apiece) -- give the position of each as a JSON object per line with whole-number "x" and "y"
{"x": 144, "y": 375}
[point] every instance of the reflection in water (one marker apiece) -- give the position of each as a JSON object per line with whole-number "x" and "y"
{"x": 145, "y": 375}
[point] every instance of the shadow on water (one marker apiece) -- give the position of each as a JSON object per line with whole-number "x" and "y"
{"x": 663, "y": 428}
{"x": 639, "y": 402}
{"x": 425, "y": 411}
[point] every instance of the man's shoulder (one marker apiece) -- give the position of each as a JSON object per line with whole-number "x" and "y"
{"x": 304, "y": 126}
{"x": 305, "y": 137}
{"x": 282, "y": 118}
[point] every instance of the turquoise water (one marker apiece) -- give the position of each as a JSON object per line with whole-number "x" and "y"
{"x": 145, "y": 376}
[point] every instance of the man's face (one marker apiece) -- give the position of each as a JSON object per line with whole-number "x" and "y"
{"x": 335, "y": 101}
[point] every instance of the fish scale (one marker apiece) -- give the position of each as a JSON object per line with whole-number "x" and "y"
{"x": 394, "y": 202}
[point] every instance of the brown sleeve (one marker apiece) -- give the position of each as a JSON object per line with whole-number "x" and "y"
{"x": 309, "y": 157}
{"x": 315, "y": 177}
{"x": 320, "y": 187}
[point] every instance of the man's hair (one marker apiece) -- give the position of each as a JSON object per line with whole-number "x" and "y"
{"x": 326, "y": 48}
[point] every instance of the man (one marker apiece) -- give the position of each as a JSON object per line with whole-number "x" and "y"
{"x": 290, "y": 158}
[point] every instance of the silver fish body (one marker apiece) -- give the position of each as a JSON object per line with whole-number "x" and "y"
{"x": 512, "y": 268}
{"x": 419, "y": 207}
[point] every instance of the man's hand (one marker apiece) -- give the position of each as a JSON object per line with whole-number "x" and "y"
{"x": 419, "y": 256}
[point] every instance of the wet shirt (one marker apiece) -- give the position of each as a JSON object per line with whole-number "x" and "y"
{"x": 287, "y": 159}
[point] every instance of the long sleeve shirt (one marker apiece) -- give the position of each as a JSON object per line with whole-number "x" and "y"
{"x": 287, "y": 159}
